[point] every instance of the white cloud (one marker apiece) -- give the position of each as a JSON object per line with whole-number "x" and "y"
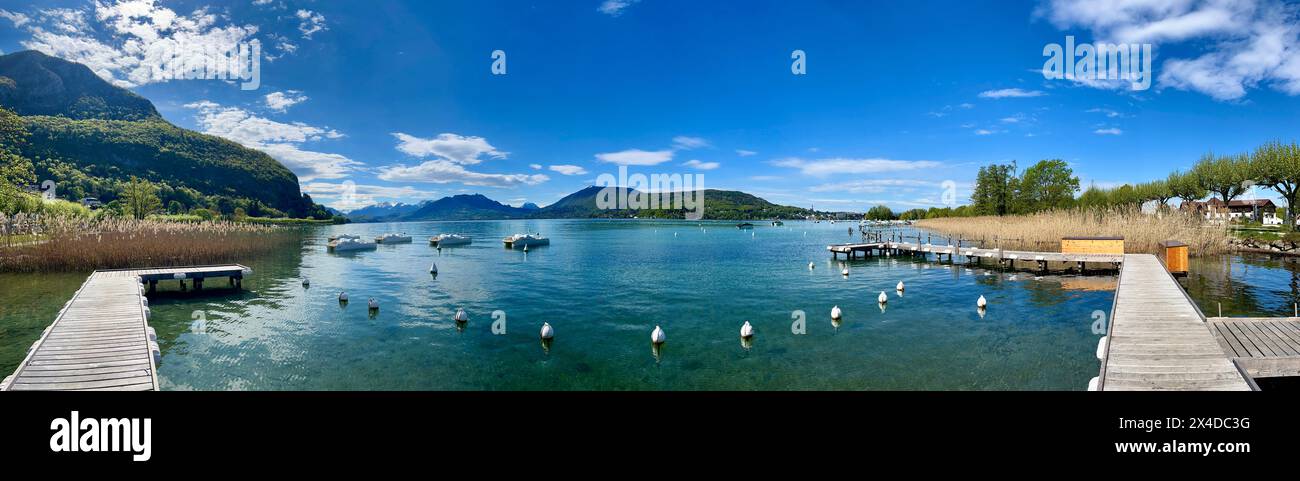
{"x": 568, "y": 169}
{"x": 875, "y": 186}
{"x": 310, "y": 22}
{"x": 18, "y": 19}
{"x": 465, "y": 150}
{"x": 280, "y": 140}
{"x": 985, "y": 132}
{"x": 1107, "y": 112}
{"x": 636, "y": 157}
{"x": 535, "y": 166}
{"x": 745, "y": 153}
{"x": 281, "y": 101}
{"x": 451, "y": 152}
{"x": 1109, "y": 131}
{"x": 348, "y": 196}
{"x": 1221, "y": 48}
{"x": 442, "y": 171}
{"x": 682, "y": 142}
{"x": 701, "y": 165}
{"x": 123, "y": 41}
{"x": 615, "y": 8}
{"x": 1010, "y": 93}
{"x": 838, "y": 166}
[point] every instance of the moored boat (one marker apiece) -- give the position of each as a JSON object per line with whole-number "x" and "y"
{"x": 744, "y": 225}
{"x": 391, "y": 238}
{"x": 346, "y": 243}
{"x": 519, "y": 241}
{"x": 444, "y": 240}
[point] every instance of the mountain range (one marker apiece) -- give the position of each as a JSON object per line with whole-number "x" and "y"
{"x": 718, "y": 204}
{"x": 89, "y": 136}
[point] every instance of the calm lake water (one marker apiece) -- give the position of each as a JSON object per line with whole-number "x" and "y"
{"x": 604, "y": 285}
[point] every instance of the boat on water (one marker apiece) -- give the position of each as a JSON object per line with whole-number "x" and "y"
{"x": 444, "y": 240}
{"x": 525, "y": 240}
{"x": 776, "y": 223}
{"x": 744, "y": 225}
{"x": 391, "y": 238}
{"x": 346, "y": 243}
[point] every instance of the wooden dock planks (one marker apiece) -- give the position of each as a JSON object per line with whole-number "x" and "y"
{"x": 101, "y": 338}
{"x": 1158, "y": 340}
{"x": 1264, "y": 347}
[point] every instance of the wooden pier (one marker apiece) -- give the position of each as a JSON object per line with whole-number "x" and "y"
{"x": 101, "y": 340}
{"x": 1263, "y": 347}
{"x": 1158, "y": 340}
{"x": 974, "y": 254}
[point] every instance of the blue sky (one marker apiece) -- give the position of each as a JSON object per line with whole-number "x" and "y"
{"x": 398, "y": 98}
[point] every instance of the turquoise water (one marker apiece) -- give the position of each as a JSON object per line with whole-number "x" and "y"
{"x": 604, "y": 285}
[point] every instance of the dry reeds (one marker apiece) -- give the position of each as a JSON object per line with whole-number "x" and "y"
{"x": 79, "y": 244}
{"x": 1043, "y": 231}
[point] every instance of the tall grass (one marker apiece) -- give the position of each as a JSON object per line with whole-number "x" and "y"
{"x": 70, "y": 243}
{"x": 1043, "y": 231}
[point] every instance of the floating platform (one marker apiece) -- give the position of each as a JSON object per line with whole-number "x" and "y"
{"x": 868, "y": 249}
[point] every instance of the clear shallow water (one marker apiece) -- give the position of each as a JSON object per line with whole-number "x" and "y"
{"x": 604, "y": 285}
{"x": 1251, "y": 285}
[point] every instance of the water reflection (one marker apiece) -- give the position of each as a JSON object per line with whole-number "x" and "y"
{"x": 1248, "y": 285}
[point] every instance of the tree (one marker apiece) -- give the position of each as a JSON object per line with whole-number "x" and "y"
{"x": 1186, "y": 186}
{"x": 139, "y": 198}
{"x": 995, "y": 187}
{"x": 1277, "y": 166}
{"x": 1225, "y": 176}
{"x": 1049, "y": 184}
{"x": 880, "y": 212}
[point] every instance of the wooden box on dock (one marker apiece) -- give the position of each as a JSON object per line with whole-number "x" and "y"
{"x": 1092, "y": 245}
{"x": 1174, "y": 256}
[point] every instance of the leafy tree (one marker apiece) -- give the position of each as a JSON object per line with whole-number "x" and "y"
{"x": 1185, "y": 186}
{"x": 1277, "y": 166}
{"x": 1225, "y": 176}
{"x": 995, "y": 188}
{"x": 880, "y": 212}
{"x": 914, "y": 214}
{"x": 1049, "y": 184}
{"x": 139, "y": 198}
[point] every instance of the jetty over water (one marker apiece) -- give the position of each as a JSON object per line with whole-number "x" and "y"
{"x": 1158, "y": 340}
{"x": 101, "y": 340}
{"x": 1001, "y": 256}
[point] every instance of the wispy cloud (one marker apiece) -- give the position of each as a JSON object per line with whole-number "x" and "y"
{"x": 309, "y": 23}
{"x": 636, "y": 157}
{"x": 283, "y": 141}
{"x": 745, "y": 153}
{"x": 461, "y": 149}
{"x": 568, "y": 169}
{"x": 1108, "y": 131}
{"x": 824, "y": 167}
{"x": 1010, "y": 93}
{"x": 682, "y": 142}
{"x": 615, "y": 8}
{"x": 281, "y": 101}
{"x": 701, "y": 165}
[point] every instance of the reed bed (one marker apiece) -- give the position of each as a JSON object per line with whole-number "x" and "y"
{"x": 1043, "y": 231}
{"x": 81, "y": 244}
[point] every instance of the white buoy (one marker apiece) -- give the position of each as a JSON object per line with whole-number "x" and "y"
{"x": 657, "y": 336}
{"x": 981, "y": 302}
{"x": 343, "y": 296}
{"x": 547, "y": 331}
{"x": 882, "y": 298}
{"x": 1101, "y": 348}
{"x": 899, "y": 287}
{"x": 1094, "y": 383}
{"x": 812, "y": 266}
{"x": 373, "y": 304}
{"x": 746, "y": 331}
{"x": 433, "y": 268}
{"x": 845, "y": 271}
{"x": 835, "y": 312}
{"x": 525, "y": 247}
{"x": 461, "y": 316}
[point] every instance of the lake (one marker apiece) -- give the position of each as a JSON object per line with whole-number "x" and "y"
{"x": 604, "y": 285}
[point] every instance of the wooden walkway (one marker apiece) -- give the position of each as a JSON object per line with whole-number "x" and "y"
{"x": 101, "y": 339}
{"x": 1263, "y": 347}
{"x": 972, "y": 253}
{"x": 1158, "y": 340}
